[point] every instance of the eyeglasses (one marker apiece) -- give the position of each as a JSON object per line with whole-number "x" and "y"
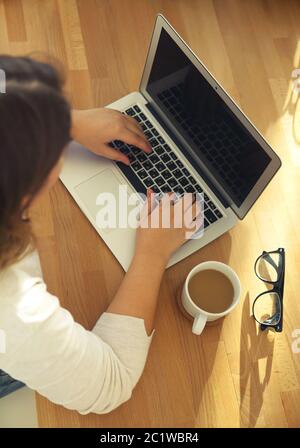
{"x": 267, "y": 308}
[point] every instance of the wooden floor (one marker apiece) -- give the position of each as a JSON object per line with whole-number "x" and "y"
{"x": 233, "y": 375}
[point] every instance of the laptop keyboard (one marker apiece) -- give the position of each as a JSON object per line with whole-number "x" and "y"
{"x": 161, "y": 170}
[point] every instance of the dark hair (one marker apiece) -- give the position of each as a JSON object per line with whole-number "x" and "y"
{"x": 34, "y": 129}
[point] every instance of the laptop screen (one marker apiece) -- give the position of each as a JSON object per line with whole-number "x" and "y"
{"x": 206, "y": 123}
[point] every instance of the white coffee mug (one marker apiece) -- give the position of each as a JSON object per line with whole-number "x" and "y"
{"x": 201, "y": 316}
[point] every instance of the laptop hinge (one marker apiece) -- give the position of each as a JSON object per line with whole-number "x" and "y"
{"x": 188, "y": 156}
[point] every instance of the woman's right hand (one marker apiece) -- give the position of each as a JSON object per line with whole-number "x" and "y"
{"x": 161, "y": 240}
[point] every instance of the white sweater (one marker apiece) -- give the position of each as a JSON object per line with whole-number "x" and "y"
{"x": 87, "y": 371}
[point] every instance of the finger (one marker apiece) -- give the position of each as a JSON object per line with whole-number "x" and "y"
{"x": 149, "y": 204}
{"x": 168, "y": 198}
{"x": 114, "y": 154}
{"x": 134, "y": 127}
{"x": 193, "y": 217}
{"x": 151, "y": 200}
{"x": 185, "y": 201}
{"x": 134, "y": 139}
{"x": 132, "y": 122}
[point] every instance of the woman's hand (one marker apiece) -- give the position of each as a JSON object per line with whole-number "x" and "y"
{"x": 165, "y": 226}
{"x": 96, "y": 128}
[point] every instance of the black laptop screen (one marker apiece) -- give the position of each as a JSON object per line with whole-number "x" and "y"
{"x": 216, "y": 136}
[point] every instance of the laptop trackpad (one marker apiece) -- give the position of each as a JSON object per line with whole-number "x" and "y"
{"x": 95, "y": 194}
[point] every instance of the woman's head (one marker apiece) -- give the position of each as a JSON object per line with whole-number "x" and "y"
{"x": 34, "y": 130}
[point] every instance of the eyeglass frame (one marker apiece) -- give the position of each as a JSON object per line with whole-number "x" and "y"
{"x": 278, "y": 287}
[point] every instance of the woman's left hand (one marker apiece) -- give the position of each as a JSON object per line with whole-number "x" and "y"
{"x": 96, "y": 128}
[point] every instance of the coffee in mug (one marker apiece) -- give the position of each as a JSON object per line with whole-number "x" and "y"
{"x": 211, "y": 291}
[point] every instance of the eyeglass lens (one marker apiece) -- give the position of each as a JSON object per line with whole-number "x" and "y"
{"x": 267, "y": 309}
{"x": 267, "y": 267}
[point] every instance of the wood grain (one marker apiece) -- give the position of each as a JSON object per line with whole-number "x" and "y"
{"x": 233, "y": 375}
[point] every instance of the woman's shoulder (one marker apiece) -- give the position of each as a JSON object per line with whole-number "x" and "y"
{"x": 18, "y": 278}
{"x": 24, "y": 300}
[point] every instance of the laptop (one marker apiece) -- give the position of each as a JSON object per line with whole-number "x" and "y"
{"x": 201, "y": 142}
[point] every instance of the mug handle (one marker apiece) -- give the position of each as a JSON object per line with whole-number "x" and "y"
{"x": 199, "y": 324}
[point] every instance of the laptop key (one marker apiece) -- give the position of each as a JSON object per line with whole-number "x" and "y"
{"x": 185, "y": 172}
{"x": 131, "y": 157}
{"x": 118, "y": 143}
{"x": 159, "y": 181}
{"x": 219, "y": 214}
{"x": 148, "y": 134}
{"x": 136, "y": 166}
{"x": 180, "y": 164}
{"x": 192, "y": 180}
{"x": 142, "y": 157}
{"x": 179, "y": 191}
{"x": 143, "y": 116}
{"x": 211, "y": 205}
{"x": 166, "y": 174}
{"x": 154, "y": 158}
{"x": 183, "y": 181}
{"x": 173, "y": 155}
{"x": 137, "y": 109}
{"x": 142, "y": 174}
{"x": 148, "y": 182}
{"x": 144, "y": 127}
{"x": 189, "y": 189}
{"x": 130, "y": 112}
{"x": 125, "y": 150}
{"x": 148, "y": 123}
{"x": 155, "y": 189}
{"x": 165, "y": 188}
{"x": 171, "y": 166}
{"x": 209, "y": 215}
{"x": 160, "y": 166}
{"x": 161, "y": 140}
{"x": 177, "y": 173}
{"x": 206, "y": 223}
{"x": 165, "y": 157}
{"x": 153, "y": 142}
{"x": 153, "y": 173}
{"x": 147, "y": 165}
{"x": 172, "y": 182}
{"x": 159, "y": 150}
{"x": 154, "y": 131}
{"x": 135, "y": 150}
{"x": 167, "y": 148}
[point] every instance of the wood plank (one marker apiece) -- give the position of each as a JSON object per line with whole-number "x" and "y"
{"x": 15, "y": 20}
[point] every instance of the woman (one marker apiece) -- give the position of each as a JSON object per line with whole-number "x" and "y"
{"x": 87, "y": 371}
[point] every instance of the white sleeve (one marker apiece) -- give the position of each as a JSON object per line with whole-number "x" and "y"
{"x": 87, "y": 371}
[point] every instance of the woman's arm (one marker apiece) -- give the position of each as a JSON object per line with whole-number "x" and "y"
{"x": 138, "y": 293}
